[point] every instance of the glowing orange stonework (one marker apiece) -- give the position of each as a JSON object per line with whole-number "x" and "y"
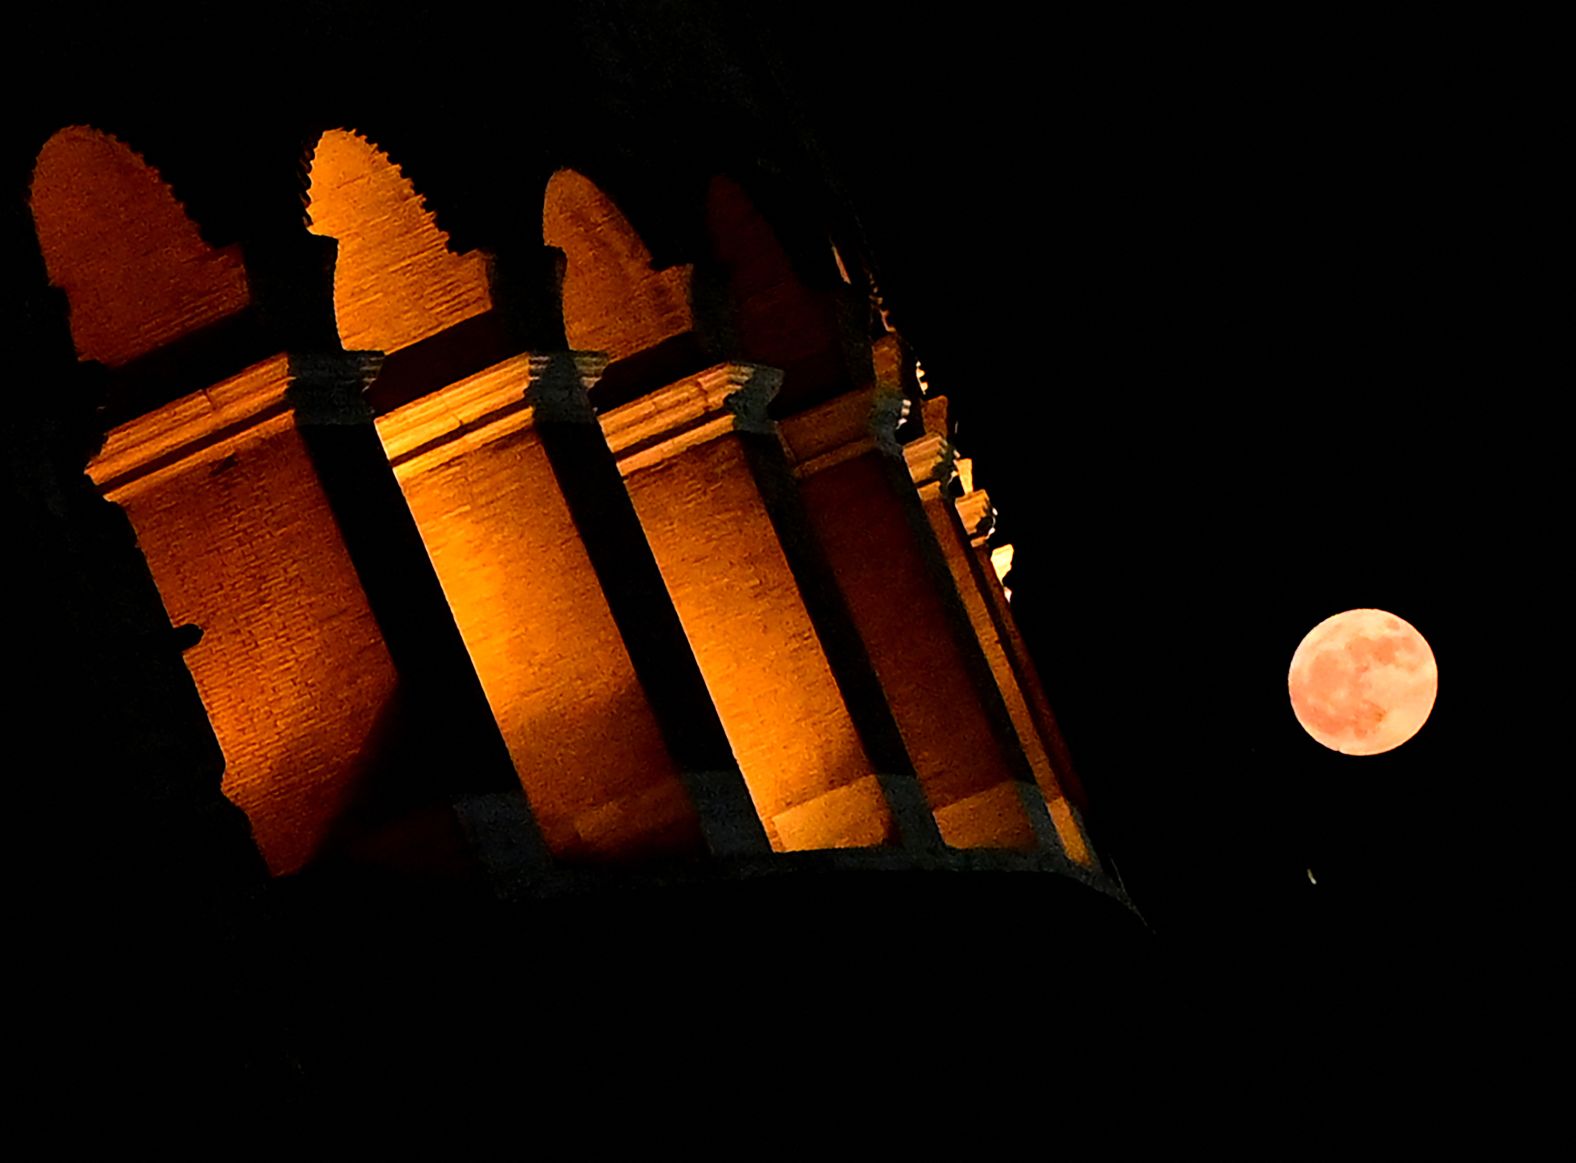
{"x": 1363, "y": 682}
{"x": 120, "y": 245}
{"x": 321, "y": 733}
{"x": 615, "y": 301}
{"x": 688, "y": 474}
{"x": 396, "y": 282}
{"x": 241, "y": 541}
{"x": 525, "y": 596}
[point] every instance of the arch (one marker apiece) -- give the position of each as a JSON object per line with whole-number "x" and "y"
{"x": 614, "y": 300}
{"x": 135, "y": 270}
{"x": 396, "y": 281}
{"x": 775, "y": 317}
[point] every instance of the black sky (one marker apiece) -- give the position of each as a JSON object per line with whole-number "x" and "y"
{"x": 1239, "y": 318}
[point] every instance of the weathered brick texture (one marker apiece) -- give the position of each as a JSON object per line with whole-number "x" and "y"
{"x": 585, "y": 742}
{"x": 961, "y": 763}
{"x": 395, "y": 282}
{"x": 752, "y": 636}
{"x": 240, "y": 539}
{"x": 118, "y": 243}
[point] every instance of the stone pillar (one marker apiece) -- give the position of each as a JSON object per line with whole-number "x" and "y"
{"x": 967, "y": 556}
{"x": 895, "y": 579}
{"x": 584, "y": 664}
{"x": 320, "y": 653}
{"x": 1066, "y": 811}
{"x": 452, "y": 743}
{"x": 694, "y": 456}
{"x": 134, "y": 859}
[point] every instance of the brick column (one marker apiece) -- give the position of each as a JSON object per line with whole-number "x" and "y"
{"x": 961, "y": 530}
{"x": 697, "y": 461}
{"x": 585, "y": 666}
{"x": 461, "y": 751}
{"x": 134, "y": 858}
{"x": 894, "y": 576}
{"x": 265, "y": 528}
{"x": 1067, "y": 811}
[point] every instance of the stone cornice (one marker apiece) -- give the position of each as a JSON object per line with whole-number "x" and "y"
{"x": 1000, "y": 560}
{"x": 210, "y": 421}
{"x": 729, "y": 397}
{"x": 926, "y": 457}
{"x": 974, "y": 509}
{"x": 504, "y": 398}
{"x": 830, "y": 434}
{"x": 854, "y": 423}
{"x": 478, "y": 408}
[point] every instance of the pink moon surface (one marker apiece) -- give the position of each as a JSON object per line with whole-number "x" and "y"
{"x": 1363, "y": 682}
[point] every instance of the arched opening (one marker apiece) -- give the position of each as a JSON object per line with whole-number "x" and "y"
{"x": 136, "y": 273}
{"x": 396, "y": 282}
{"x": 774, "y": 317}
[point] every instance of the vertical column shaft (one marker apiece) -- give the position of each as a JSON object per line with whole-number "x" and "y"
{"x": 462, "y": 747}
{"x": 903, "y": 598}
{"x": 839, "y": 637}
{"x": 969, "y": 576}
{"x": 694, "y": 455}
{"x": 589, "y": 480}
{"x": 586, "y": 741}
{"x": 963, "y": 524}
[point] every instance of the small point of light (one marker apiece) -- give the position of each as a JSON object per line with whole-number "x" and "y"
{"x": 1001, "y": 561}
{"x": 1310, "y": 876}
{"x": 837, "y": 257}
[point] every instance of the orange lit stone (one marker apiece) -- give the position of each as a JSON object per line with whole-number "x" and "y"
{"x": 134, "y": 268}
{"x": 396, "y": 281}
{"x": 241, "y": 541}
{"x": 777, "y": 320}
{"x": 691, "y": 481}
{"x": 584, "y": 739}
{"x": 1032, "y": 690}
{"x": 1068, "y": 831}
{"x": 851, "y": 500}
{"x": 614, "y": 301}
{"x": 971, "y": 584}
{"x": 962, "y": 530}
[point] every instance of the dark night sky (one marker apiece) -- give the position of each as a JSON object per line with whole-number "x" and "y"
{"x": 1238, "y": 322}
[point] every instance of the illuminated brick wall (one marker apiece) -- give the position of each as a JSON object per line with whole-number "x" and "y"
{"x": 972, "y": 586}
{"x": 585, "y": 742}
{"x": 746, "y": 621}
{"x": 614, "y": 302}
{"x": 395, "y": 281}
{"x": 897, "y": 603}
{"x": 291, "y": 666}
{"x": 962, "y": 527}
{"x": 114, "y": 238}
{"x": 776, "y": 319}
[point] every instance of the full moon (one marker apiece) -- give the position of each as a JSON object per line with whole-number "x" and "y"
{"x": 1363, "y": 682}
